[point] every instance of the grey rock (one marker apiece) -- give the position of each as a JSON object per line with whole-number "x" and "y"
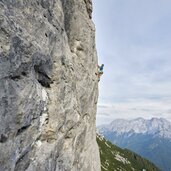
{"x": 48, "y": 86}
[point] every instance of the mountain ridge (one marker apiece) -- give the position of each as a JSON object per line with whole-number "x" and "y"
{"x": 149, "y": 138}
{"x": 154, "y": 126}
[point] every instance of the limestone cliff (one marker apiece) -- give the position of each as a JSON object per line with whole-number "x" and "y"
{"x": 48, "y": 87}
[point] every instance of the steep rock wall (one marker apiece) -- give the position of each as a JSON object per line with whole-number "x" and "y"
{"x": 48, "y": 87}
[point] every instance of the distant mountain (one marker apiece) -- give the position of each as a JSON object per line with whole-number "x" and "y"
{"x": 114, "y": 158}
{"x": 149, "y": 138}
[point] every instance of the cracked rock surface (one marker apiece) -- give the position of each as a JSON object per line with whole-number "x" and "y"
{"x": 48, "y": 86}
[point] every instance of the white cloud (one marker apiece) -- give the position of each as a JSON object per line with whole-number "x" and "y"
{"x": 134, "y": 109}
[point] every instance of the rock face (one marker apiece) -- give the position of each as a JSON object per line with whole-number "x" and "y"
{"x": 48, "y": 86}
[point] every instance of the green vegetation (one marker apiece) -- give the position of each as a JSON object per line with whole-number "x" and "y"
{"x": 114, "y": 158}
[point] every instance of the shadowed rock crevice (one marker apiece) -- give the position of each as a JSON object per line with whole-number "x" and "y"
{"x": 22, "y": 129}
{"x": 3, "y": 138}
{"x": 42, "y": 77}
{"x": 43, "y": 69}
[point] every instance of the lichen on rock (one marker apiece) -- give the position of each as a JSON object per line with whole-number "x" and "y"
{"x": 48, "y": 86}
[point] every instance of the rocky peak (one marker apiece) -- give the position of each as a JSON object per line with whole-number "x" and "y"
{"x": 156, "y": 126}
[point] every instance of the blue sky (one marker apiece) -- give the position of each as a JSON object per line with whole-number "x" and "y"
{"x": 133, "y": 39}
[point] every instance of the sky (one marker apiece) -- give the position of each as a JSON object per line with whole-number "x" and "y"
{"x": 133, "y": 40}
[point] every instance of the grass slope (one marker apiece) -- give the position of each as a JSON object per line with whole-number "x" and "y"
{"x": 114, "y": 158}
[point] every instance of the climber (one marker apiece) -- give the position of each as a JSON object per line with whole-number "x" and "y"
{"x": 100, "y": 71}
